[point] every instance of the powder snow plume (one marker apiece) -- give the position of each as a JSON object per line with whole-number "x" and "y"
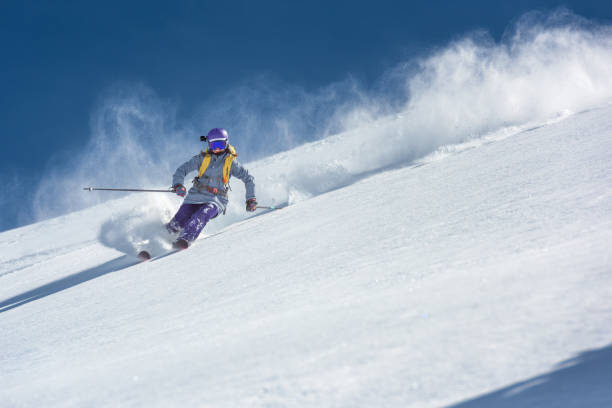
{"x": 545, "y": 66}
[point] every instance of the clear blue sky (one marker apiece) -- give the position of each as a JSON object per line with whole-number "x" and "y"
{"x": 59, "y": 56}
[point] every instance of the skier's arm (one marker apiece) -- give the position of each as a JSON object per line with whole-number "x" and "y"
{"x": 243, "y": 174}
{"x": 191, "y": 165}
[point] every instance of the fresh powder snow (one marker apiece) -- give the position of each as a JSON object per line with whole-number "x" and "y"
{"x": 479, "y": 275}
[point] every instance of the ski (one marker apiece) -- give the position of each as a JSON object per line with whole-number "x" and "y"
{"x": 146, "y": 256}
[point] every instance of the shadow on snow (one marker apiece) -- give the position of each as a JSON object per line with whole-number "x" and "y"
{"x": 583, "y": 381}
{"x": 68, "y": 282}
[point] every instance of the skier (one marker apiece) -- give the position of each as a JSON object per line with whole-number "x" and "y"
{"x": 208, "y": 196}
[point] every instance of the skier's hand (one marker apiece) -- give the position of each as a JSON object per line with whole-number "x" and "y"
{"x": 251, "y": 204}
{"x": 179, "y": 189}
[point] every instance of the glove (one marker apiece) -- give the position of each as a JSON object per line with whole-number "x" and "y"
{"x": 251, "y": 204}
{"x": 179, "y": 189}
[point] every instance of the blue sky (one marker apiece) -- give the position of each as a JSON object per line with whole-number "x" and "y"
{"x": 59, "y": 57}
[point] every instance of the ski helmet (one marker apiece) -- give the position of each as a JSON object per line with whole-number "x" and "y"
{"x": 217, "y": 139}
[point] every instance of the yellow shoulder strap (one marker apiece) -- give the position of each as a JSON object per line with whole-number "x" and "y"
{"x": 204, "y": 164}
{"x": 227, "y": 166}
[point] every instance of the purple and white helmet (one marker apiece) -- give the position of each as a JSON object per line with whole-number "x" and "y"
{"x": 217, "y": 139}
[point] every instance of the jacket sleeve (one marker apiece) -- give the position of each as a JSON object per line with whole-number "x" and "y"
{"x": 191, "y": 165}
{"x": 240, "y": 172}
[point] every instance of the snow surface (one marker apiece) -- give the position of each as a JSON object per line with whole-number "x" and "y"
{"x": 480, "y": 275}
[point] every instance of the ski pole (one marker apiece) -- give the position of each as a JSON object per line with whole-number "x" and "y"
{"x": 128, "y": 189}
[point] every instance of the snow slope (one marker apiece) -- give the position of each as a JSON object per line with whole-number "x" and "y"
{"x": 480, "y": 275}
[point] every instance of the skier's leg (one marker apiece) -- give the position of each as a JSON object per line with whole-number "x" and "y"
{"x": 181, "y": 217}
{"x": 198, "y": 220}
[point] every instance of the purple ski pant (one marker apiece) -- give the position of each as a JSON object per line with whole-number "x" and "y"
{"x": 191, "y": 219}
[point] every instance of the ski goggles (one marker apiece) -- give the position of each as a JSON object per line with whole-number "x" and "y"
{"x": 217, "y": 145}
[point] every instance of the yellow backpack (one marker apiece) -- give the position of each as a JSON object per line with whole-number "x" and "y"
{"x": 227, "y": 166}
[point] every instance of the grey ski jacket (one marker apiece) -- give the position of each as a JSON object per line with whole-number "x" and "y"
{"x": 212, "y": 178}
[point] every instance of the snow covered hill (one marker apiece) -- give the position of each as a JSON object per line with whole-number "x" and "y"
{"x": 478, "y": 276}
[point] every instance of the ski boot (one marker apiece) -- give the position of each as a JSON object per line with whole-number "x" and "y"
{"x": 180, "y": 243}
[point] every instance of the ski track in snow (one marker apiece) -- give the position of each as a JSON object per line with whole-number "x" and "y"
{"x": 27, "y": 261}
{"x": 478, "y": 276}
